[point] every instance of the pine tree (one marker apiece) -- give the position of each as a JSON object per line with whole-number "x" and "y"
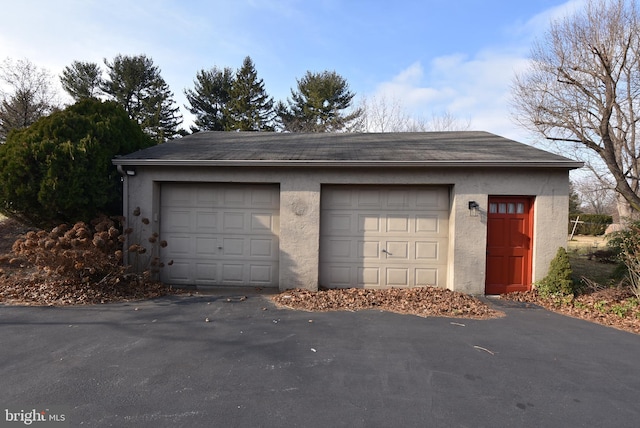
{"x": 81, "y": 79}
{"x": 249, "y": 107}
{"x": 209, "y": 99}
{"x": 318, "y": 104}
{"x": 136, "y": 84}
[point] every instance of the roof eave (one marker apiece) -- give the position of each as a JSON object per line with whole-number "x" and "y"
{"x": 348, "y": 163}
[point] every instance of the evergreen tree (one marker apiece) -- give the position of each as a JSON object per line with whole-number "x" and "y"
{"x": 81, "y": 79}
{"x": 558, "y": 281}
{"x": 59, "y": 168}
{"x": 249, "y": 107}
{"x": 318, "y": 104}
{"x": 136, "y": 84}
{"x": 209, "y": 99}
{"x": 574, "y": 200}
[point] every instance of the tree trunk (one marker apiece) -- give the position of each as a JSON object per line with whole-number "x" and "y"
{"x": 626, "y": 213}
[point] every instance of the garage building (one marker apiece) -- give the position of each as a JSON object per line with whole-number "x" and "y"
{"x": 469, "y": 211}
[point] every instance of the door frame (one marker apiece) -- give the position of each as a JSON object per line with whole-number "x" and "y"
{"x": 529, "y": 232}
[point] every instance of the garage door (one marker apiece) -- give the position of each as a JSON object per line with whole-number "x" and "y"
{"x": 220, "y": 234}
{"x": 383, "y": 236}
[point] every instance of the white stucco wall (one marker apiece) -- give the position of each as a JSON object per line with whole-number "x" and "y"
{"x": 300, "y": 210}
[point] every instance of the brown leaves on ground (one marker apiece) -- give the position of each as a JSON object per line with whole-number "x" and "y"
{"x": 23, "y": 283}
{"x": 421, "y": 301}
{"x": 37, "y": 290}
{"x": 615, "y": 306}
{"x": 42, "y": 268}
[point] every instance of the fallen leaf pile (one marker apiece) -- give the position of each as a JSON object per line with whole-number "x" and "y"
{"x": 615, "y": 307}
{"x": 38, "y": 290}
{"x": 421, "y": 301}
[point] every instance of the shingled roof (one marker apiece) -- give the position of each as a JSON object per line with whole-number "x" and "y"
{"x": 468, "y": 148}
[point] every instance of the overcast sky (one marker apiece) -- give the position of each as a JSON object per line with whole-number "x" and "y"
{"x": 435, "y": 56}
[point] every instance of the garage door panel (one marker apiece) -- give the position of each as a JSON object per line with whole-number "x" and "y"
{"x": 427, "y": 224}
{"x": 398, "y": 198}
{"x": 206, "y": 222}
{"x": 339, "y": 223}
{"x": 233, "y": 198}
{"x": 181, "y": 196}
{"x": 397, "y": 250}
{"x": 397, "y": 277}
{"x": 426, "y": 276}
{"x": 233, "y": 222}
{"x": 340, "y": 275}
{"x": 233, "y": 247}
{"x": 338, "y": 249}
{"x": 262, "y": 222}
{"x": 220, "y": 234}
{"x": 261, "y": 248}
{"x": 206, "y": 246}
{"x": 180, "y": 271}
{"x": 260, "y": 274}
{"x": 233, "y": 273}
{"x": 369, "y": 249}
{"x": 265, "y": 199}
{"x": 205, "y": 272}
{"x": 340, "y": 198}
{"x": 428, "y": 250}
{"x": 179, "y": 220}
{"x": 370, "y": 198}
{"x": 432, "y": 199}
{"x": 368, "y": 276}
{"x": 180, "y": 245}
{"x": 398, "y": 223}
{"x": 368, "y": 223}
{"x": 392, "y": 236}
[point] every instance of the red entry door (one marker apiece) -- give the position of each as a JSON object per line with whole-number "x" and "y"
{"x": 509, "y": 242}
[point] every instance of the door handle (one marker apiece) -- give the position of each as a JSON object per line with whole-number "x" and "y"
{"x": 385, "y": 251}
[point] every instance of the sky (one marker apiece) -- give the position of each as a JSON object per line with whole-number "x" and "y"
{"x": 433, "y": 56}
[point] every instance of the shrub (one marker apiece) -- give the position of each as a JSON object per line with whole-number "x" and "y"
{"x": 88, "y": 253}
{"x": 80, "y": 252}
{"x": 558, "y": 281}
{"x": 593, "y": 224}
{"x": 626, "y": 243}
{"x": 59, "y": 169}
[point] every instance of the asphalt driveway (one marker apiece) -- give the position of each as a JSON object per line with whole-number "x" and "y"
{"x": 160, "y": 364}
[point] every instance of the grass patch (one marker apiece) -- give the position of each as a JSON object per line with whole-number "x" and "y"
{"x": 606, "y": 274}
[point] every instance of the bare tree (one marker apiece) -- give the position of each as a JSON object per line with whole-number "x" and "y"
{"x": 28, "y": 95}
{"x": 382, "y": 114}
{"x": 582, "y": 90}
{"x": 595, "y": 197}
{"x": 447, "y": 122}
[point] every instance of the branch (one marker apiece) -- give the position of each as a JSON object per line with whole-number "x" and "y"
{"x": 570, "y": 140}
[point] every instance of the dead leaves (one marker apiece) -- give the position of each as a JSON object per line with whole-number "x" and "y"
{"x": 614, "y": 306}
{"x": 421, "y": 301}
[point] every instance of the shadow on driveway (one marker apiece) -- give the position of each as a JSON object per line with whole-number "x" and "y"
{"x": 160, "y": 363}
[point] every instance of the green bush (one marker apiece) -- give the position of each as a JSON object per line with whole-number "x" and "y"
{"x": 558, "y": 281}
{"x": 626, "y": 244}
{"x": 593, "y": 224}
{"x": 59, "y": 169}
